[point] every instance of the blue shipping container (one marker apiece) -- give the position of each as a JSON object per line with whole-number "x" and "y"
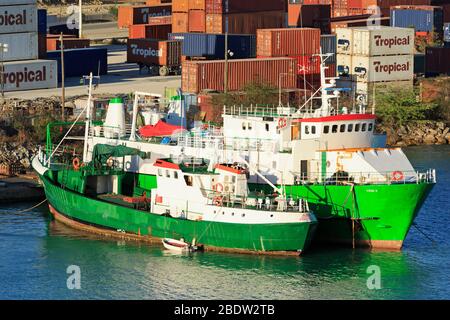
{"x": 420, "y": 20}
{"x": 212, "y": 46}
{"x": 80, "y": 62}
{"x": 42, "y": 21}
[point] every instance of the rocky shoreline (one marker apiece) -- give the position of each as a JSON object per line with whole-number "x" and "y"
{"x": 417, "y": 133}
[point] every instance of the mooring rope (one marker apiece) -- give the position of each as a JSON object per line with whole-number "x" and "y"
{"x": 423, "y": 233}
{"x": 26, "y": 210}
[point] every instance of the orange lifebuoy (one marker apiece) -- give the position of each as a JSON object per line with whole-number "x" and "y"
{"x": 218, "y": 201}
{"x": 218, "y": 187}
{"x": 282, "y": 123}
{"x": 397, "y": 176}
{"x": 76, "y": 164}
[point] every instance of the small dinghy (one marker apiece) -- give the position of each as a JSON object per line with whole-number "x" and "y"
{"x": 179, "y": 246}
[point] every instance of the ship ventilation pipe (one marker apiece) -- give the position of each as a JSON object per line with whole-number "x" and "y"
{"x": 114, "y": 126}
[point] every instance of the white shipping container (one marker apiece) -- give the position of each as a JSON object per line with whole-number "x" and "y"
{"x": 380, "y": 41}
{"x": 16, "y": 2}
{"x": 15, "y": 19}
{"x": 368, "y": 88}
{"x": 21, "y": 46}
{"x": 344, "y": 65}
{"x": 383, "y": 68}
{"x": 28, "y": 75}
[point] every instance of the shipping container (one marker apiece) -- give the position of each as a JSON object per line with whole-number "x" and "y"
{"x": 331, "y": 70}
{"x": 287, "y": 42}
{"x": 244, "y": 23}
{"x": 42, "y": 46}
{"x": 197, "y": 5}
{"x": 55, "y": 43}
{"x": 21, "y": 46}
{"x": 15, "y": 19}
{"x": 312, "y": 16}
{"x": 383, "y": 68}
{"x": 180, "y": 6}
{"x": 159, "y": 32}
{"x": 42, "y": 21}
{"x": 368, "y": 89}
{"x": 307, "y": 65}
{"x": 385, "y": 5}
{"x": 154, "y": 53}
{"x": 15, "y": 2}
{"x": 64, "y": 29}
{"x": 241, "y": 6}
{"x": 81, "y": 62}
{"x": 447, "y": 32}
{"x": 197, "y": 21}
{"x": 160, "y": 20}
{"x": 421, "y": 18}
{"x": 131, "y": 15}
{"x": 180, "y": 22}
{"x": 198, "y": 76}
{"x": 157, "y": 2}
{"x": 29, "y": 75}
{"x": 375, "y": 41}
{"x": 437, "y": 61}
{"x": 212, "y": 46}
{"x": 328, "y": 45}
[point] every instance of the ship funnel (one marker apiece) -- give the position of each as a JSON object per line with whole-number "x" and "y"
{"x": 114, "y": 126}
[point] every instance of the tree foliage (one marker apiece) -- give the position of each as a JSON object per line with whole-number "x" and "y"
{"x": 398, "y": 106}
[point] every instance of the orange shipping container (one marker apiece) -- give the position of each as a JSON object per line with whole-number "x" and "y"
{"x": 154, "y": 52}
{"x": 196, "y": 4}
{"x": 180, "y": 22}
{"x": 287, "y": 42}
{"x": 130, "y": 15}
{"x": 241, "y": 6}
{"x": 244, "y": 23}
{"x": 180, "y": 6}
{"x": 197, "y": 21}
{"x": 160, "y": 20}
{"x": 157, "y": 2}
{"x": 200, "y": 75}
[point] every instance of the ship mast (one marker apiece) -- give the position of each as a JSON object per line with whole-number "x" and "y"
{"x": 88, "y": 117}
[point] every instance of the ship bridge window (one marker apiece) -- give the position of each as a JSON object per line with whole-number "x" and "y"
{"x": 249, "y": 126}
{"x": 342, "y": 128}
{"x": 244, "y": 127}
{"x": 357, "y": 127}
{"x": 334, "y": 128}
{"x": 370, "y": 127}
{"x": 175, "y": 175}
{"x": 350, "y": 128}
{"x": 363, "y": 127}
{"x": 267, "y": 127}
{"x": 326, "y": 129}
{"x": 313, "y": 129}
{"x": 306, "y": 129}
{"x": 167, "y": 174}
{"x": 160, "y": 173}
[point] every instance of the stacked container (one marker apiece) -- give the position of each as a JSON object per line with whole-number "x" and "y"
{"x": 310, "y": 15}
{"x": 300, "y": 44}
{"x": 214, "y": 16}
{"x": 424, "y": 19}
{"x": 131, "y": 15}
{"x": 19, "y": 32}
{"x": 369, "y": 57}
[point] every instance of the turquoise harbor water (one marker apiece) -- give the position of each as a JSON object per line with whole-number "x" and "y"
{"x": 35, "y": 253}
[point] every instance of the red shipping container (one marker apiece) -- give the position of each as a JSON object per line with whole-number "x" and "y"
{"x": 180, "y": 22}
{"x": 287, "y": 42}
{"x": 200, "y": 75}
{"x": 160, "y": 32}
{"x": 354, "y": 4}
{"x": 160, "y": 20}
{"x": 245, "y": 23}
{"x": 197, "y": 21}
{"x": 69, "y": 43}
{"x": 131, "y": 15}
{"x": 180, "y": 6}
{"x": 331, "y": 70}
{"x": 307, "y": 64}
{"x": 243, "y": 6}
{"x": 157, "y": 2}
{"x": 154, "y": 52}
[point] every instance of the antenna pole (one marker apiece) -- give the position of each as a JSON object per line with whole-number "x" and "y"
{"x": 88, "y": 119}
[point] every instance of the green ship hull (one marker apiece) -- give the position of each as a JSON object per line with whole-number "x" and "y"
{"x": 106, "y": 218}
{"x": 378, "y": 216}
